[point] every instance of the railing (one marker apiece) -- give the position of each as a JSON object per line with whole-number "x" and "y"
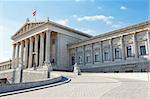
{"x": 5, "y": 65}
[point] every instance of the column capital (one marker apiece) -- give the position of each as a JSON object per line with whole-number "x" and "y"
{"x": 26, "y": 40}
{"x": 31, "y": 39}
{"x": 22, "y": 42}
{"x": 41, "y": 34}
{"x": 14, "y": 45}
{"x": 18, "y": 43}
{"x": 48, "y": 31}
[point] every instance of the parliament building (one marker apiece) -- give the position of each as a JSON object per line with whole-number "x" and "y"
{"x": 123, "y": 50}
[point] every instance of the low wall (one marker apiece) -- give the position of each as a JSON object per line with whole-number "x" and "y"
{"x": 28, "y": 85}
{"x": 137, "y": 76}
{"x": 7, "y": 74}
{"x": 28, "y": 75}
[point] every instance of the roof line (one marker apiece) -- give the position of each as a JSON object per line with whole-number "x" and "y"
{"x": 114, "y": 31}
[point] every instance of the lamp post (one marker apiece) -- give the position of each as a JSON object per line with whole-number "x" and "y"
{"x": 20, "y": 72}
{"x": 34, "y": 64}
{"x": 148, "y": 70}
{"x": 10, "y": 63}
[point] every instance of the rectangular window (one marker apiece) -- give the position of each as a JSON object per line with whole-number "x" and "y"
{"x": 88, "y": 59}
{"x": 80, "y": 59}
{"x": 117, "y": 53}
{"x": 73, "y": 60}
{"x": 129, "y": 51}
{"x": 106, "y": 56}
{"x": 96, "y": 58}
{"x": 142, "y": 50}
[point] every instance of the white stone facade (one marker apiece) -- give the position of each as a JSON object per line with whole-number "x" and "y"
{"x": 123, "y": 50}
{"x": 126, "y": 49}
{"x": 38, "y": 42}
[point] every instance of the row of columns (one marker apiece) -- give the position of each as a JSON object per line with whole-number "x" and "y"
{"x": 111, "y": 49}
{"x": 29, "y": 47}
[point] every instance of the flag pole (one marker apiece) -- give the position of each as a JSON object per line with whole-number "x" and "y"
{"x": 35, "y": 15}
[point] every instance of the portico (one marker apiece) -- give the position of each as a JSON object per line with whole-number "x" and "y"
{"x": 38, "y": 42}
{"x": 33, "y": 44}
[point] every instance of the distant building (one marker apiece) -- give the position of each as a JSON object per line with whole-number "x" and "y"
{"x": 123, "y": 50}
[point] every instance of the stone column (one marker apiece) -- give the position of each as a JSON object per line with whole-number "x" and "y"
{"x": 48, "y": 46}
{"x": 122, "y": 46}
{"x": 13, "y": 57}
{"x": 36, "y": 49}
{"x": 17, "y": 59}
{"x": 135, "y": 46}
{"x": 58, "y": 49}
{"x": 30, "y": 52}
{"x": 76, "y": 55}
{"x": 41, "y": 59}
{"x": 101, "y": 52}
{"x": 84, "y": 55}
{"x": 148, "y": 40}
{"x": 26, "y": 53}
{"x": 111, "y": 50}
{"x": 92, "y": 55}
{"x": 22, "y": 52}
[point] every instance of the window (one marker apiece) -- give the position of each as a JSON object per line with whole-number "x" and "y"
{"x": 80, "y": 59}
{"x": 88, "y": 59}
{"x": 73, "y": 60}
{"x": 96, "y": 58}
{"x": 117, "y": 53}
{"x": 106, "y": 57}
{"x": 142, "y": 50}
{"x": 129, "y": 51}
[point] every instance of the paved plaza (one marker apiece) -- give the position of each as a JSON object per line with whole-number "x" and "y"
{"x": 90, "y": 87}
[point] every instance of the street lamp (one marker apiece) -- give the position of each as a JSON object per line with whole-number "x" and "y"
{"x": 34, "y": 64}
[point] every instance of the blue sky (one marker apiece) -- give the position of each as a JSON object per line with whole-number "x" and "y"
{"x": 90, "y": 16}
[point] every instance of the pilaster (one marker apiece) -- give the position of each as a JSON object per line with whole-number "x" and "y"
{"x": 135, "y": 46}
{"x": 122, "y": 46}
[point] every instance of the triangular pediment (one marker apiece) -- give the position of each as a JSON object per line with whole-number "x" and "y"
{"x": 28, "y": 26}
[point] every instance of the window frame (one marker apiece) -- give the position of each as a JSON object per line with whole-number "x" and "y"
{"x": 145, "y": 53}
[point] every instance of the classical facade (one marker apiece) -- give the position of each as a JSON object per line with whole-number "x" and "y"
{"x": 38, "y": 42}
{"x": 123, "y": 50}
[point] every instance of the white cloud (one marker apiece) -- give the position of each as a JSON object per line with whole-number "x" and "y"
{"x": 88, "y": 31}
{"x": 123, "y": 8}
{"x": 117, "y": 25}
{"x": 106, "y": 19}
{"x": 62, "y": 21}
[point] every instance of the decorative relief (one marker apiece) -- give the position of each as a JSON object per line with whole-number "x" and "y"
{"x": 128, "y": 39}
{"x": 141, "y": 36}
{"x": 117, "y": 41}
{"x": 106, "y": 44}
{"x": 88, "y": 47}
{"x": 28, "y": 26}
{"x": 97, "y": 45}
{"x": 79, "y": 49}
